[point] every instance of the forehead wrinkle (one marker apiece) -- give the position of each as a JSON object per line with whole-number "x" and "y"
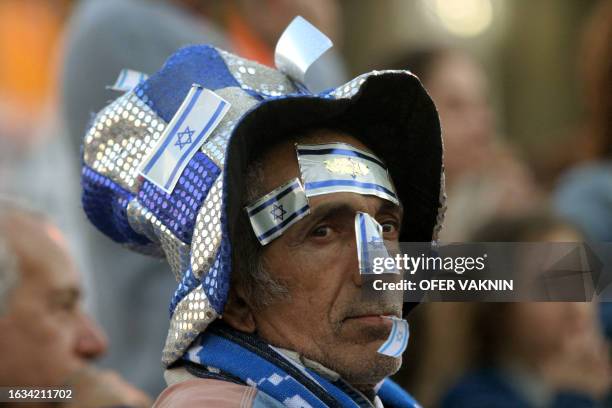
{"x": 339, "y": 205}
{"x": 389, "y": 206}
{"x": 335, "y": 207}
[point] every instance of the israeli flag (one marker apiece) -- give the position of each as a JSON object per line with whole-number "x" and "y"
{"x": 340, "y": 167}
{"x": 397, "y": 341}
{"x": 197, "y": 117}
{"x": 272, "y": 214}
{"x": 298, "y": 48}
{"x": 127, "y": 80}
{"x": 370, "y": 243}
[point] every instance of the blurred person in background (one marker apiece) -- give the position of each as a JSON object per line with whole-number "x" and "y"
{"x": 439, "y": 350}
{"x": 26, "y": 77}
{"x": 105, "y": 36}
{"x": 527, "y": 354}
{"x": 584, "y": 193}
{"x": 484, "y": 176}
{"x": 47, "y": 340}
{"x": 36, "y": 164}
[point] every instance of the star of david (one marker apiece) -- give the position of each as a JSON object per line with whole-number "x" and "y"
{"x": 278, "y": 212}
{"x": 376, "y": 243}
{"x": 184, "y": 138}
{"x": 400, "y": 335}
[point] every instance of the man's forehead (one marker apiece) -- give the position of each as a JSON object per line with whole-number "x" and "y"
{"x": 319, "y": 164}
{"x": 280, "y": 162}
{"x": 351, "y": 203}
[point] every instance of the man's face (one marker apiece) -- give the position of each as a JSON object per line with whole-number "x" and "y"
{"x": 459, "y": 89}
{"x": 541, "y": 329}
{"x": 46, "y": 337}
{"x": 327, "y": 318}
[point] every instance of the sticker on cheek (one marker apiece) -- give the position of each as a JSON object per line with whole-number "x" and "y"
{"x": 275, "y": 212}
{"x": 371, "y": 250}
{"x": 397, "y": 341}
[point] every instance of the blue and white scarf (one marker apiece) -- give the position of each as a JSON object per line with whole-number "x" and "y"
{"x": 229, "y": 355}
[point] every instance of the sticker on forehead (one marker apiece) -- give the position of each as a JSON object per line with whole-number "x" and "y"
{"x": 370, "y": 244}
{"x": 340, "y": 167}
{"x": 398, "y": 338}
{"x": 273, "y": 213}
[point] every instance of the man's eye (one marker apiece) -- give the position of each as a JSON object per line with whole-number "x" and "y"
{"x": 322, "y": 231}
{"x": 390, "y": 227}
{"x": 67, "y": 306}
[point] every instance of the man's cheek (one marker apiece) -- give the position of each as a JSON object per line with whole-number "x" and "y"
{"x": 317, "y": 271}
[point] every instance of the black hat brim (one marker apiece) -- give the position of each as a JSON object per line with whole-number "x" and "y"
{"x": 391, "y": 113}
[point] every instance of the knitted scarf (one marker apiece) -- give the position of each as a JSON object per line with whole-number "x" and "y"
{"x": 226, "y": 354}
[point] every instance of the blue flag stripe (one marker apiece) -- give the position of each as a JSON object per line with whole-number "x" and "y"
{"x": 122, "y": 77}
{"x": 364, "y": 242}
{"x": 340, "y": 152}
{"x": 389, "y": 341}
{"x": 329, "y": 183}
{"x": 273, "y": 199}
{"x": 196, "y": 143}
{"x": 284, "y": 223}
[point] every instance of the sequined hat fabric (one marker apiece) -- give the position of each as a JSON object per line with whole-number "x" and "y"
{"x": 191, "y": 227}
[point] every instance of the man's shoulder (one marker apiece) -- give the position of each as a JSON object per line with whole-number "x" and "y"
{"x": 203, "y": 392}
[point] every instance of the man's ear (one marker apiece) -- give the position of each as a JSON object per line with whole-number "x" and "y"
{"x": 238, "y": 314}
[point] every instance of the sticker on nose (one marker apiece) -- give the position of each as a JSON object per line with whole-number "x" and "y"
{"x": 371, "y": 250}
{"x": 397, "y": 341}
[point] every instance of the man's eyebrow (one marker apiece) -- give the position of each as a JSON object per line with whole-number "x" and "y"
{"x": 329, "y": 209}
{"x": 388, "y": 206}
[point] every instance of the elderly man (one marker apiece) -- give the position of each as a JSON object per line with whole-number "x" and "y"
{"x": 47, "y": 340}
{"x": 264, "y": 198}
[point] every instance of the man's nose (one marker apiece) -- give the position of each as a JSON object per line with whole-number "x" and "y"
{"x": 91, "y": 342}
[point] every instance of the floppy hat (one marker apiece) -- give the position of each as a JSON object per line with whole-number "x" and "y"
{"x": 190, "y": 224}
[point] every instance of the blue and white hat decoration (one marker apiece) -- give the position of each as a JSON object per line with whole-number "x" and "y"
{"x": 162, "y": 164}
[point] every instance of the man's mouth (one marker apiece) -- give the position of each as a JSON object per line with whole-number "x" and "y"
{"x": 374, "y": 318}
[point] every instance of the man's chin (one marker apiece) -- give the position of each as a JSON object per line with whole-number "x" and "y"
{"x": 367, "y": 366}
{"x": 358, "y": 360}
